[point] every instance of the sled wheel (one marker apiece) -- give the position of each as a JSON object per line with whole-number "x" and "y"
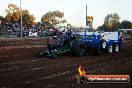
{"x": 110, "y": 49}
{"x": 117, "y": 48}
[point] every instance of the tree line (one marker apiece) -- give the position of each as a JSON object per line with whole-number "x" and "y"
{"x": 112, "y": 23}
{"x": 13, "y": 15}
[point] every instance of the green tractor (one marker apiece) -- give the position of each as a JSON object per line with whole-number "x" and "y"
{"x": 66, "y": 43}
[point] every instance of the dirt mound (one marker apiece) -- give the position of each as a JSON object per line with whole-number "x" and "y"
{"x": 22, "y": 41}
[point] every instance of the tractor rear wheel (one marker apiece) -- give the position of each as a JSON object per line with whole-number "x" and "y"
{"x": 78, "y": 48}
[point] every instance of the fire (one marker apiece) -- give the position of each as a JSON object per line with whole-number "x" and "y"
{"x": 81, "y": 71}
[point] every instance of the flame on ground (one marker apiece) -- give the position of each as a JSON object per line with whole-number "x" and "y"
{"x": 81, "y": 71}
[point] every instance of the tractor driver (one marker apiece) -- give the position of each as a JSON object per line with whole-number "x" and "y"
{"x": 68, "y": 36}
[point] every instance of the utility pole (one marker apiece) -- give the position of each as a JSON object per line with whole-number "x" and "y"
{"x": 87, "y": 29}
{"x": 21, "y": 17}
{"x": 86, "y": 17}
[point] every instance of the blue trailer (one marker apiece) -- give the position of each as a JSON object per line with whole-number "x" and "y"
{"x": 101, "y": 41}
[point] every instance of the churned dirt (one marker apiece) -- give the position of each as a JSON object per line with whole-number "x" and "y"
{"x": 19, "y": 68}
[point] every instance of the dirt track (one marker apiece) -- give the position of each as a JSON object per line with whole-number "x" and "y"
{"x": 20, "y": 69}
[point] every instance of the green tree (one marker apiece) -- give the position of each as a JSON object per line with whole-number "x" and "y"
{"x": 125, "y": 24}
{"x": 39, "y": 23}
{"x": 13, "y": 15}
{"x": 111, "y": 22}
{"x": 53, "y": 18}
{"x": 103, "y": 27}
{"x": 69, "y": 25}
{"x": 27, "y": 18}
{"x": 63, "y": 21}
{"x": 3, "y": 19}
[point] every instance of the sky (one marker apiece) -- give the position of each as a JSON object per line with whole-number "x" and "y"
{"x": 75, "y": 10}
